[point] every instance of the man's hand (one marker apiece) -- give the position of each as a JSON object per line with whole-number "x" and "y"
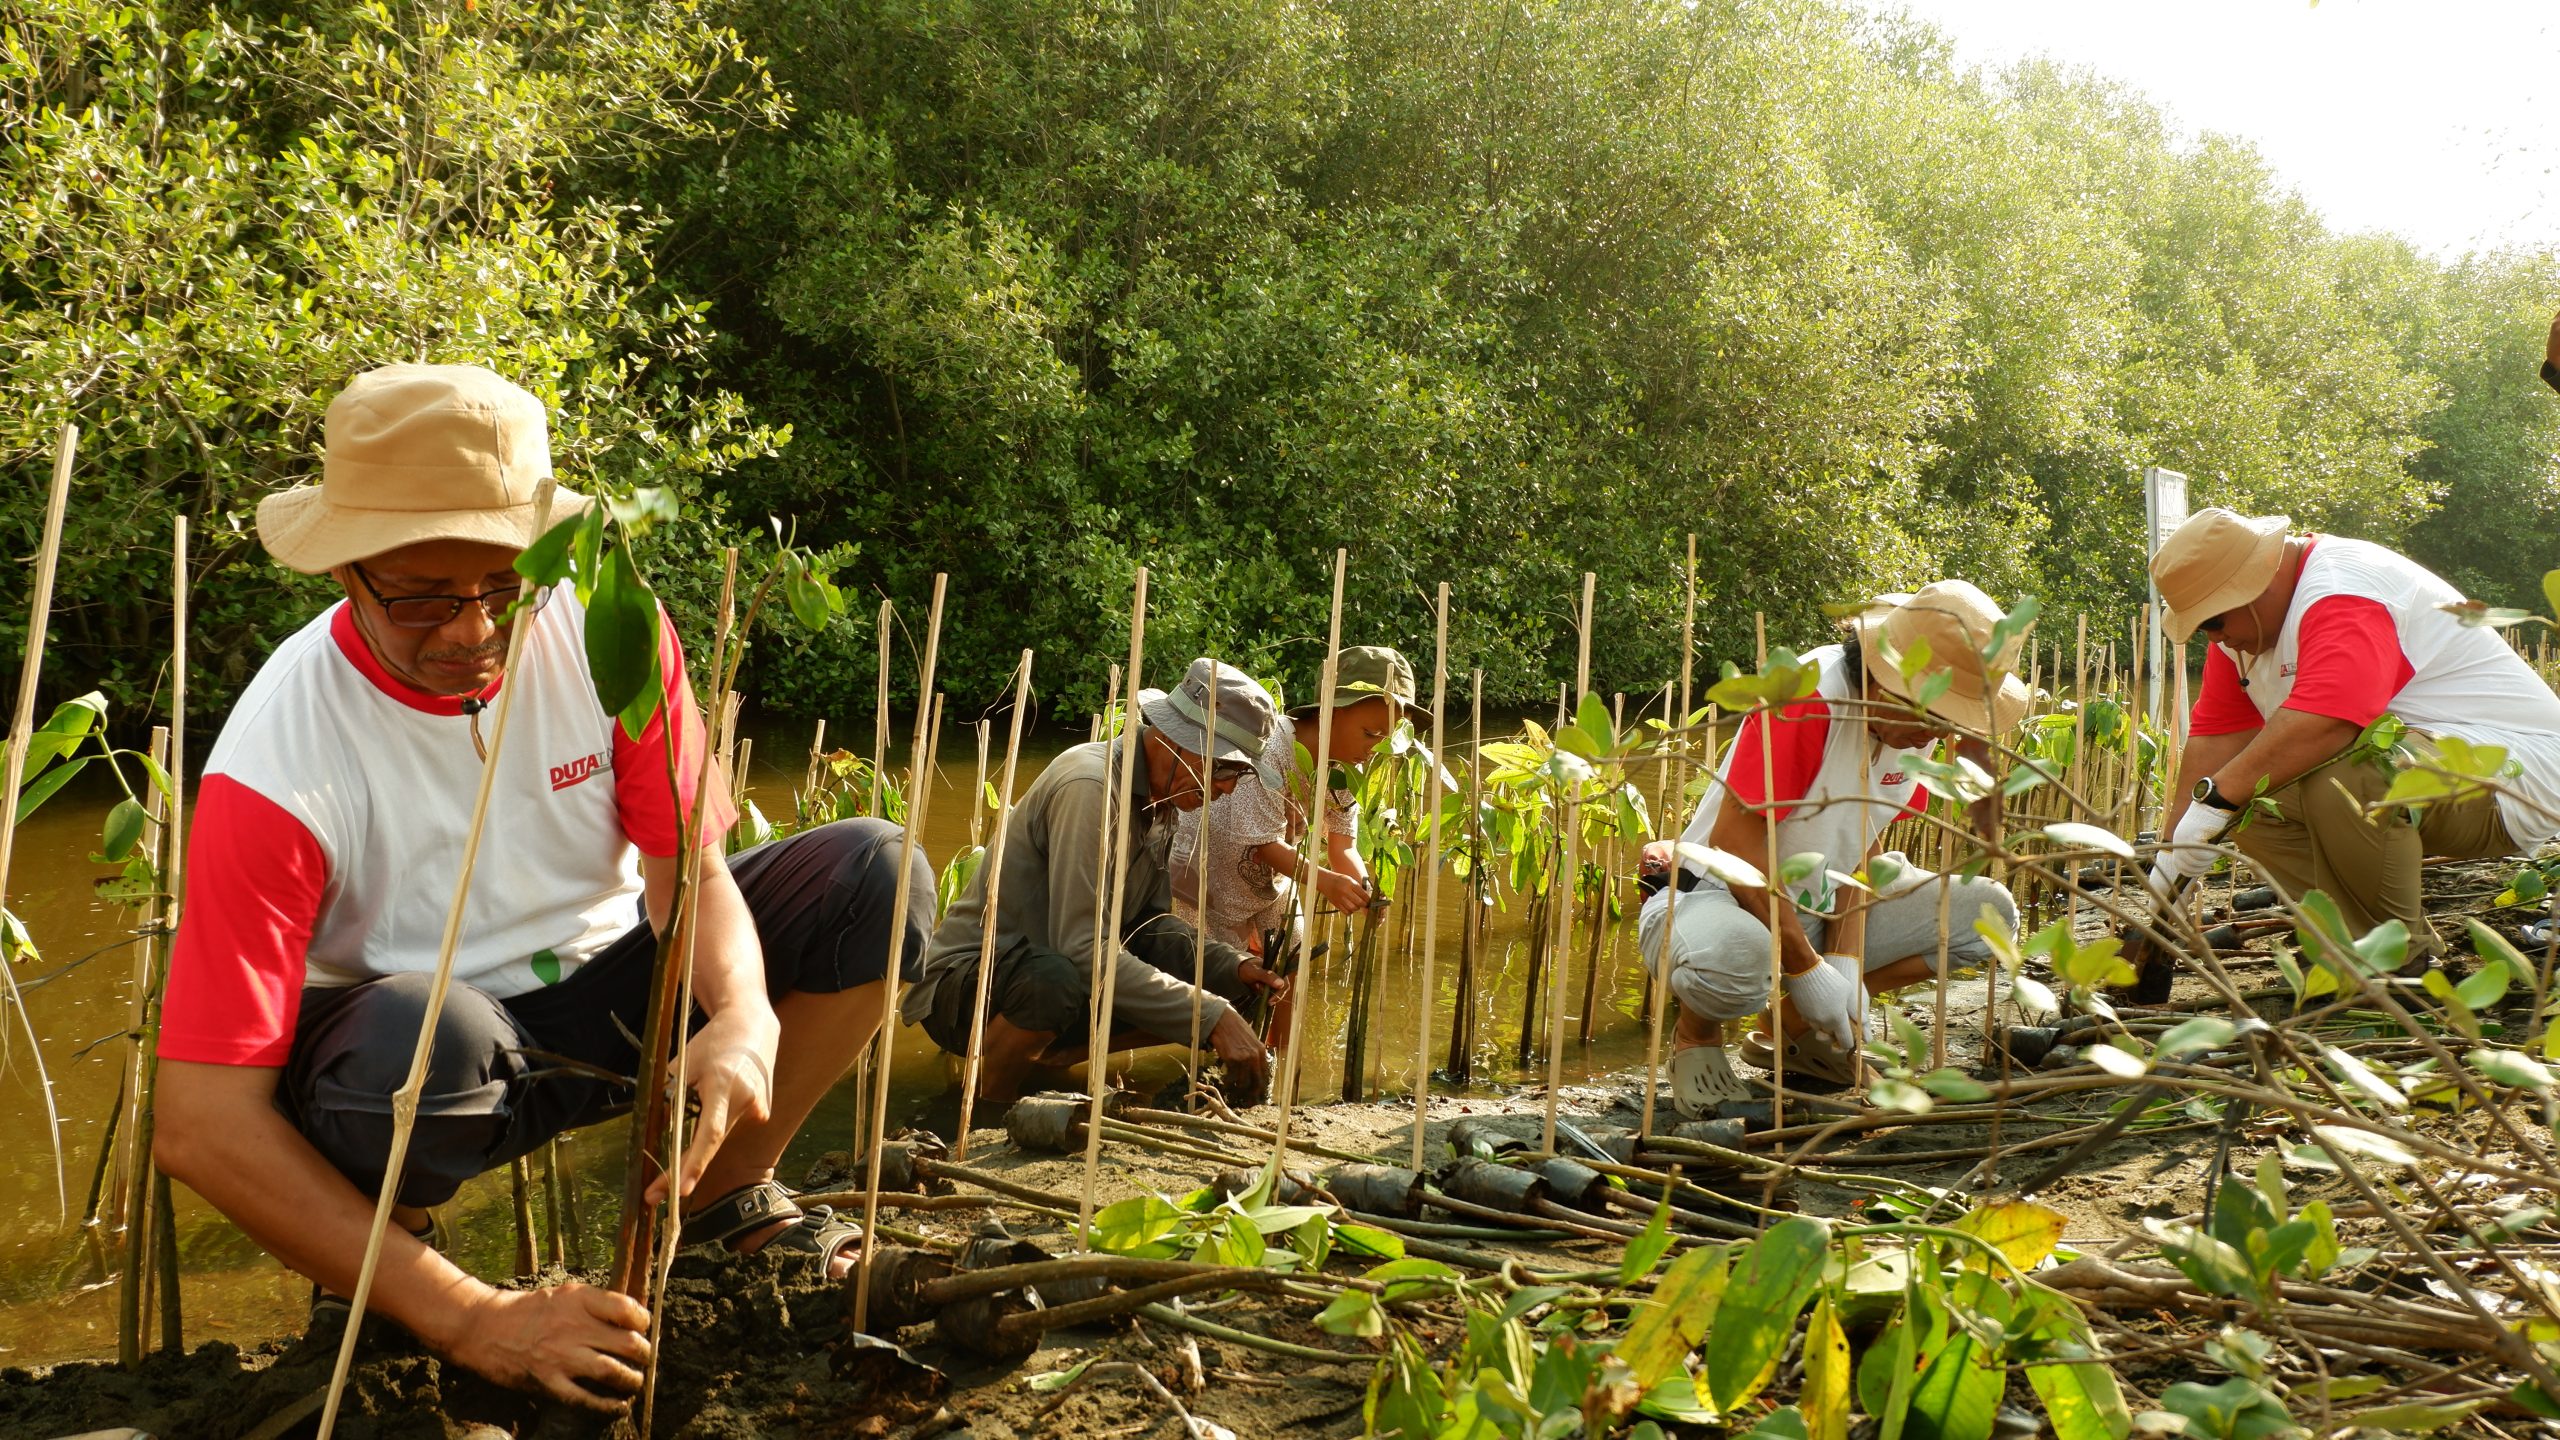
{"x": 572, "y": 1342}
{"x": 728, "y": 1065}
{"x": 1832, "y": 1004}
{"x": 1261, "y": 976}
{"x": 1242, "y": 1050}
{"x": 1346, "y": 893}
{"x": 2185, "y": 856}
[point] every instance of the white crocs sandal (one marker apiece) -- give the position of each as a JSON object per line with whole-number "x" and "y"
{"x": 1701, "y": 1079}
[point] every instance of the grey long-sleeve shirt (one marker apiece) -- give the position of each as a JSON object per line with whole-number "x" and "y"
{"x": 1053, "y": 889}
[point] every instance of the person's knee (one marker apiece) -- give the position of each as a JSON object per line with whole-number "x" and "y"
{"x": 344, "y": 1098}
{"x": 1978, "y": 901}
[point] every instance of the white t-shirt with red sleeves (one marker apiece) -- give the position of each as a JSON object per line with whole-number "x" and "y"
{"x": 2366, "y": 634}
{"x": 329, "y": 829}
{"x": 1833, "y": 785}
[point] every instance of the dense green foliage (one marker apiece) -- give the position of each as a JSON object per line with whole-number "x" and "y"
{"x": 1042, "y": 290}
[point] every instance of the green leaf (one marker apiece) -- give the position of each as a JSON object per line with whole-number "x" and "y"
{"x": 1683, "y": 1308}
{"x": 1369, "y": 1240}
{"x": 1353, "y": 1312}
{"x": 1826, "y": 1375}
{"x": 1404, "y": 1279}
{"x": 2488, "y": 985}
{"x": 44, "y": 785}
{"x": 2080, "y": 1394}
{"x": 122, "y": 831}
{"x": 2189, "y": 1037}
{"x": 2019, "y": 1229}
{"x": 1142, "y": 1225}
{"x": 622, "y": 640}
{"x": 2551, "y": 590}
{"x": 547, "y": 560}
{"x": 15, "y": 943}
{"x": 2508, "y": 1067}
{"x": 2236, "y": 1409}
{"x": 1648, "y": 1246}
{"x": 2365, "y": 1143}
{"x": 2415, "y": 1419}
{"x": 1770, "y": 1284}
{"x": 2078, "y": 835}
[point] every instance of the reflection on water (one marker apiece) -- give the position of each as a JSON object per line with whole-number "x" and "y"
{"x": 54, "y": 1304}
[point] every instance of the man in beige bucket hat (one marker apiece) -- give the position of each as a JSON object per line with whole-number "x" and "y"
{"x": 327, "y": 836}
{"x": 1835, "y": 770}
{"x": 2310, "y": 639}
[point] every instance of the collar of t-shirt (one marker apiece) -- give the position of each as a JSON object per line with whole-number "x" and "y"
{"x": 359, "y": 653}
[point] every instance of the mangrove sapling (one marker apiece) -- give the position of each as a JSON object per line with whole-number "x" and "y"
{"x": 15, "y": 764}
{"x": 1425, "y": 996}
{"x": 920, "y": 786}
{"x": 404, "y": 1102}
{"x": 144, "y": 1235}
{"x": 994, "y": 871}
{"x": 1462, "y": 1012}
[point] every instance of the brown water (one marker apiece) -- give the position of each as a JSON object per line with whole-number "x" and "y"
{"x": 55, "y": 1304}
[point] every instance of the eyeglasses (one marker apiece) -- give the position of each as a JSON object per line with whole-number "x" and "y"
{"x": 427, "y": 612}
{"x": 1230, "y": 770}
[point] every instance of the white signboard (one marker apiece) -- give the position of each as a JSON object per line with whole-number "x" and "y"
{"x": 2164, "y": 507}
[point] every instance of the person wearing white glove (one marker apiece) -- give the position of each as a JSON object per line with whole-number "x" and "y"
{"x": 1804, "y": 797}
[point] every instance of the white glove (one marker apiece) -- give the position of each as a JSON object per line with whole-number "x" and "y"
{"x": 1832, "y": 998}
{"x": 2184, "y": 855}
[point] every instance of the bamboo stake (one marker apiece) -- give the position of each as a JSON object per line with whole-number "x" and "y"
{"x": 1200, "y": 875}
{"x": 880, "y": 713}
{"x": 404, "y": 1103}
{"x": 978, "y": 792}
{"x": 1563, "y": 907}
{"x": 993, "y": 868}
{"x": 817, "y": 757}
{"x": 1431, "y": 880}
{"x": 1462, "y": 1013}
{"x": 30, "y": 667}
{"x": 1582, "y": 643}
{"x": 1119, "y": 820}
{"x": 919, "y": 794}
{"x": 1321, "y": 786}
{"x": 1777, "y": 897}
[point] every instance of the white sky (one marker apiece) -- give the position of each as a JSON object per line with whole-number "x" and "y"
{"x": 2437, "y": 119}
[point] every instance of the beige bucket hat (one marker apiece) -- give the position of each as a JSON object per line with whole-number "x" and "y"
{"x": 2218, "y": 560}
{"x": 1956, "y": 619}
{"x": 418, "y": 452}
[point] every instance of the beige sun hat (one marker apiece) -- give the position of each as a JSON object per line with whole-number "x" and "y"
{"x": 418, "y": 452}
{"x": 2218, "y": 560}
{"x": 1956, "y": 619}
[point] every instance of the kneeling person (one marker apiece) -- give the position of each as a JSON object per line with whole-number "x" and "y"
{"x": 1041, "y": 992}
{"x": 327, "y": 838}
{"x": 1834, "y": 767}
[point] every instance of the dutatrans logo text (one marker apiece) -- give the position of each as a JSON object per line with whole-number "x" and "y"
{"x": 564, "y": 776}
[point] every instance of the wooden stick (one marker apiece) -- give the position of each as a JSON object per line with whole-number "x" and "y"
{"x": 1777, "y": 896}
{"x": 30, "y": 667}
{"x": 669, "y": 1041}
{"x": 880, "y": 714}
{"x": 404, "y": 1103}
{"x": 993, "y": 868}
{"x": 1119, "y": 820}
{"x": 919, "y": 793}
{"x": 1431, "y": 880}
{"x": 1561, "y": 905}
{"x": 1462, "y": 1012}
{"x": 1200, "y": 874}
{"x": 1582, "y": 643}
{"x": 817, "y": 757}
{"x": 1319, "y": 805}
{"x": 978, "y": 793}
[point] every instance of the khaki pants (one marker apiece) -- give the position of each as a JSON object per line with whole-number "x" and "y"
{"x": 2322, "y": 840}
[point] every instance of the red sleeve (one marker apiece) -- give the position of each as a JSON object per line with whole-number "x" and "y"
{"x": 1803, "y": 729}
{"x": 2222, "y": 703}
{"x": 1919, "y": 801}
{"x": 2350, "y": 662}
{"x": 255, "y": 877}
{"x": 651, "y": 818}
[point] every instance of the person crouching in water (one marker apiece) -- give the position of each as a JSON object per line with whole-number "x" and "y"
{"x": 1255, "y": 829}
{"x": 1835, "y": 768}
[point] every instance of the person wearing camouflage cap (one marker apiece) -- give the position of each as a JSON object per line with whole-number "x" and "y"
{"x": 1254, "y": 832}
{"x": 1204, "y": 736}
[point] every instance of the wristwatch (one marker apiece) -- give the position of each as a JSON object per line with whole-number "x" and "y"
{"x": 2207, "y": 794}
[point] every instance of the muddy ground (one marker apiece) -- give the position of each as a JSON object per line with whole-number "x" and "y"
{"x": 753, "y": 1345}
